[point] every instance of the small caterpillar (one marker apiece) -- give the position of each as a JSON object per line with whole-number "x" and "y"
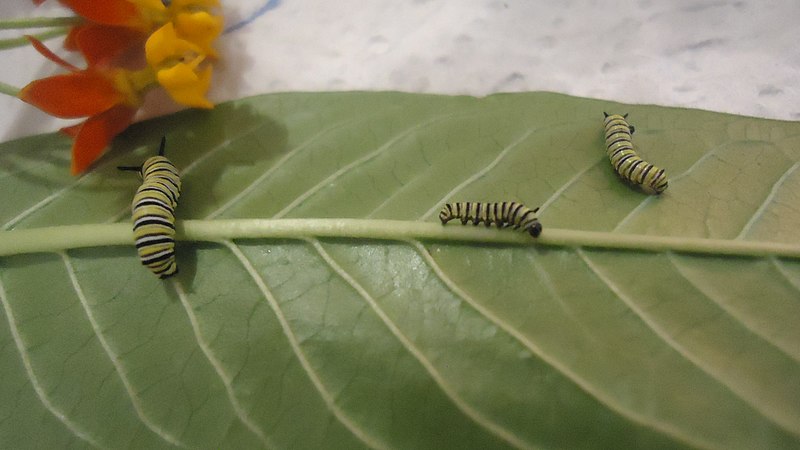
{"x": 502, "y": 214}
{"x": 628, "y": 165}
{"x": 153, "y": 211}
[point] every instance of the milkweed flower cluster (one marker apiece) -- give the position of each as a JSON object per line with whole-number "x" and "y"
{"x": 172, "y": 41}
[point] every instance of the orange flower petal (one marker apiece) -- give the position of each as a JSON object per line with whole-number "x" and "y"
{"x": 47, "y": 53}
{"x": 99, "y": 44}
{"x": 72, "y": 95}
{"x": 70, "y": 41}
{"x": 107, "y": 12}
{"x": 96, "y": 133}
{"x": 72, "y": 130}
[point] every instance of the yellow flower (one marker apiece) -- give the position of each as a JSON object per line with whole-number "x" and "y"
{"x": 180, "y": 50}
{"x": 157, "y": 13}
{"x": 165, "y": 45}
{"x": 185, "y": 85}
{"x": 176, "y": 62}
{"x": 200, "y": 28}
{"x": 197, "y": 4}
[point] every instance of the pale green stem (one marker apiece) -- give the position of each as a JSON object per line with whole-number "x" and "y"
{"x": 53, "y": 239}
{"x": 39, "y": 22}
{"x": 8, "y": 89}
{"x": 21, "y": 41}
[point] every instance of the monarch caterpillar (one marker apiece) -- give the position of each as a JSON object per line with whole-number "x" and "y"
{"x": 624, "y": 159}
{"x": 502, "y": 214}
{"x": 153, "y": 211}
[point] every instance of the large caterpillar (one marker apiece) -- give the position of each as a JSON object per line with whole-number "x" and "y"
{"x": 502, "y": 214}
{"x": 628, "y": 165}
{"x": 153, "y": 211}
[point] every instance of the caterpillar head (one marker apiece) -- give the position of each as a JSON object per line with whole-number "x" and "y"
{"x": 535, "y": 229}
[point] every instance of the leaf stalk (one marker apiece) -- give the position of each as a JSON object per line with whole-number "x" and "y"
{"x": 54, "y": 239}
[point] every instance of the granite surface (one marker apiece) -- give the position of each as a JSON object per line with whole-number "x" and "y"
{"x": 740, "y": 57}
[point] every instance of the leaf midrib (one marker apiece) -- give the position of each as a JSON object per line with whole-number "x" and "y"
{"x": 59, "y": 238}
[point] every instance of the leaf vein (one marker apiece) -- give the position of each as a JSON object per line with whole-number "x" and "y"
{"x": 326, "y": 396}
{"x": 252, "y": 186}
{"x": 37, "y": 387}
{"x": 784, "y": 273}
{"x": 477, "y": 175}
{"x": 362, "y": 160}
{"x": 114, "y": 358}
{"x": 583, "y": 384}
{"x": 188, "y": 169}
{"x": 217, "y": 365}
{"x": 673, "y": 181}
{"x": 754, "y": 402}
{"x": 773, "y": 192}
{"x": 557, "y": 194}
{"x": 41, "y": 204}
{"x": 741, "y": 319}
{"x": 462, "y": 405}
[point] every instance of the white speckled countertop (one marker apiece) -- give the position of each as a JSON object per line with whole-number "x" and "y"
{"x": 740, "y": 57}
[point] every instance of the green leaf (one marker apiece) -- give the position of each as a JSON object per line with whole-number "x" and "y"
{"x": 627, "y": 324}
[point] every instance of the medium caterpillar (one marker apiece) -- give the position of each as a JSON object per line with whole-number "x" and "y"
{"x": 153, "y": 210}
{"x": 502, "y": 214}
{"x": 628, "y": 165}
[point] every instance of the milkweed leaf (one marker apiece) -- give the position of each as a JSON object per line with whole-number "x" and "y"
{"x": 395, "y": 340}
